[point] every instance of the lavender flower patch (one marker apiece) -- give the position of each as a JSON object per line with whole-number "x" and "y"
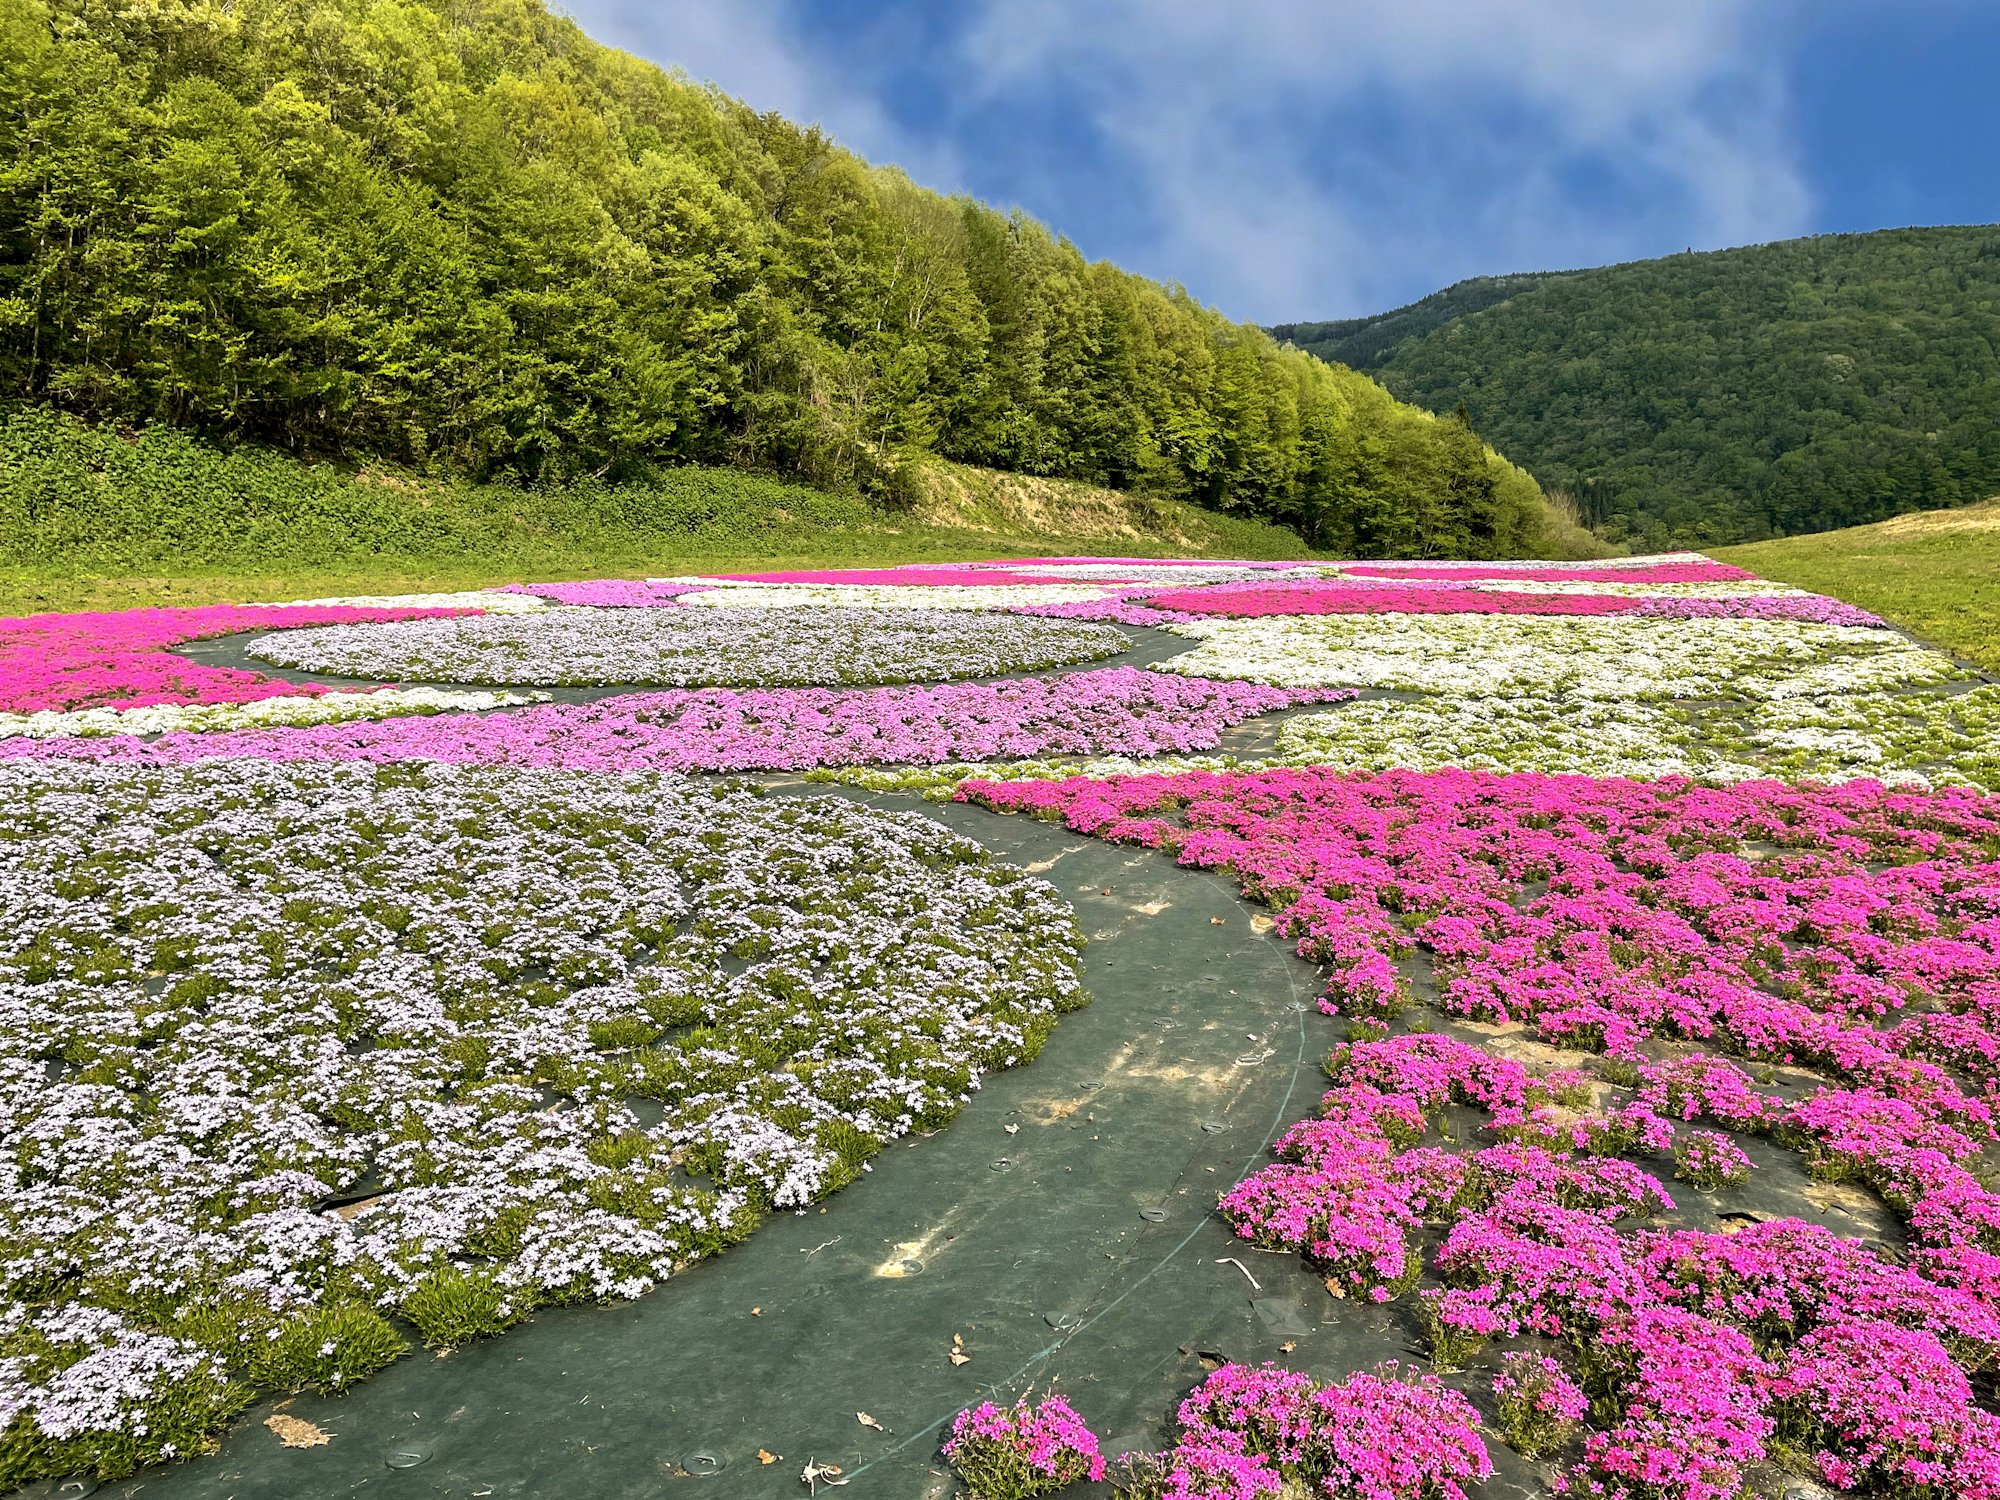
{"x": 746, "y": 647}
{"x": 298, "y": 1063}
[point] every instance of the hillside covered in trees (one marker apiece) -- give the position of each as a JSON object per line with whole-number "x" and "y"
{"x": 461, "y": 237}
{"x": 1727, "y": 396}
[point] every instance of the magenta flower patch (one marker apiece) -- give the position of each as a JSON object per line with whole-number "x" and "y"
{"x": 1341, "y": 597}
{"x": 120, "y": 660}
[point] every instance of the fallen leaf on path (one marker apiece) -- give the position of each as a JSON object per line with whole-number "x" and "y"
{"x": 294, "y": 1433}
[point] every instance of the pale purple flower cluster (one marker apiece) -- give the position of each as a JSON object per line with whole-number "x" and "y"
{"x": 287, "y": 1049}
{"x": 1112, "y": 711}
{"x": 610, "y": 593}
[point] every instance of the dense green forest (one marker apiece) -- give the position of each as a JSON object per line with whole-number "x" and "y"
{"x": 460, "y": 236}
{"x": 1722, "y": 397}
{"x": 1366, "y": 343}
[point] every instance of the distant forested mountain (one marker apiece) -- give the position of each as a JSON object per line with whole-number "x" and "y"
{"x": 459, "y": 235}
{"x": 1727, "y": 396}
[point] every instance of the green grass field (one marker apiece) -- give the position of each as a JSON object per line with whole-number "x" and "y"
{"x": 94, "y": 519}
{"x": 1935, "y": 573}
{"x": 32, "y": 590}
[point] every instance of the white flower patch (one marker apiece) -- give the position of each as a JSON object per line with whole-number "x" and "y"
{"x": 969, "y": 596}
{"x": 1604, "y": 656}
{"x": 1935, "y": 739}
{"x": 289, "y": 711}
{"x": 1599, "y": 737}
{"x": 491, "y": 601}
{"x": 287, "y": 1049}
{"x": 577, "y": 646}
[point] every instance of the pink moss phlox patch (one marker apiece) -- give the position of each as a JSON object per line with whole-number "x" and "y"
{"x": 120, "y": 659}
{"x": 1678, "y": 572}
{"x": 1113, "y": 711}
{"x": 1425, "y": 597}
{"x": 1783, "y": 923}
{"x": 1884, "y": 1407}
{"x": 1030, "y": 1448}
{"x": 1603, "y": 911}
{"x": 1141, "y": 562}
{"x": 1380, "y": 1434}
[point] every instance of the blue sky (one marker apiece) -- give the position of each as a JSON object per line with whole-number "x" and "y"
{"x": 1294, "y": 159}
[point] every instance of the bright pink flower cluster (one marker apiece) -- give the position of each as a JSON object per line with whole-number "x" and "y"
{"x": 1536, "y": 1392}
{"x": 1030, "y": 1448}
{"x": 1777, "y": 922}
{"x": 1377, "y": 1435}
{"x": 1681, "y": 572}
{"x": 1605, "y": 911}
{"x": 1140, "y": 562}
{"x": 1699, "y": 1086}
{"x": 1709, "y": 1159}
{"x": 1885, "y": 1407}
{"x": 1692, "y": 1397}
{"x": 1114, "y": 711}
{"x": 1338, "y": 597}
{"x": 121, "y": 660}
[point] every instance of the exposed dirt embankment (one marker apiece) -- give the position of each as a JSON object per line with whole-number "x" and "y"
{"x": 987, "y": 500}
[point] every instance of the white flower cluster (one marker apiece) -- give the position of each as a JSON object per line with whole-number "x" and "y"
{"x": 290, "y": 710}
{"x": 1595, "y": 736}
{"x": 1938, "y": 739}
{"x": 1601, "y": 656}
{"x": 287, "y": 1052}
{"x": 492, "y": 601}
{"x": 584, "y": 646}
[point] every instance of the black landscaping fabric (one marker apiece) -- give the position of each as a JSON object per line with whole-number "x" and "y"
{"x": 1081, "y": 1252}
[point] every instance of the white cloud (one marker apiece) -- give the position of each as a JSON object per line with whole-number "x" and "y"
{"x": 1223, "y": 113}
{"x": 755, "y": 51}
{"x": 1296, "y": 158}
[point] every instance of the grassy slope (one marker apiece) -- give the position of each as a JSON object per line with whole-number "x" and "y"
{"x": 314, "y": 544}
{"x": 1936, "y": 573}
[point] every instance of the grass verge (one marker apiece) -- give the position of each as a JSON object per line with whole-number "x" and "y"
{"x": 1935, "y": 573}
{"x": 92, "y": 518}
